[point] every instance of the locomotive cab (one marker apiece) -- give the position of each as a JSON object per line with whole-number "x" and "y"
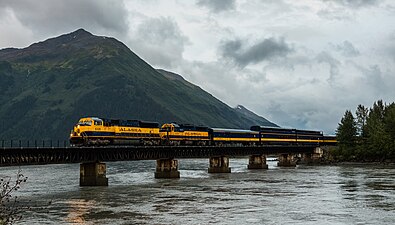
{"x": 183, "y": 134}
{"x": 166, "y": 131}
{"x": 83, "y": 126}
{"x": 168, "y": 127}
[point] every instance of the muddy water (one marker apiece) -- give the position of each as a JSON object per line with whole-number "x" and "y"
{"x": 304, "y": 195}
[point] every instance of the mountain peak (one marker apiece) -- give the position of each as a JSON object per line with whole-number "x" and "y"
{"x": 82, "y": 32}
{"x": 240, "y": 107}
{"x": 256, "y": 119}
{"x": 74, "y": 36}
{"x": 61, "y": 47}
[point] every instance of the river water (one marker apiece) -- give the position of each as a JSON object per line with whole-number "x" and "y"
{"x": 344, "y": 194}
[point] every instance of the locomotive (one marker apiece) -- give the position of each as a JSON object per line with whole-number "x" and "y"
{"x": 94, "y": 131}
{"x": 99, "y": 131}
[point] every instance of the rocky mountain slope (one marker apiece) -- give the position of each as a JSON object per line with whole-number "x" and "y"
{"x": 46, "y": 87}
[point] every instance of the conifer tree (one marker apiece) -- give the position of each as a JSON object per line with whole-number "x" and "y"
{"x": 377, "y": 138}
{"x": 346, "y": 135}
{"x": 389, "y": 126}
{"x": 347, "y": 130}
{"x": 361, "y": 114}
{"x": 369, "y": 136}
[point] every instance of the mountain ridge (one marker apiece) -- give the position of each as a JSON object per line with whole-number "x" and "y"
{"x": 49, "y": 85}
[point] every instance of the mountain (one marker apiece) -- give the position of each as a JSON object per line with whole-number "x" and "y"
{"x": 46, "y": 87}
{"x": 242, "y": 112}
{"x": 254, "y": 118}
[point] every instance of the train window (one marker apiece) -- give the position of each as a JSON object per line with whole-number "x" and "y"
{"x": 85, "y": 123}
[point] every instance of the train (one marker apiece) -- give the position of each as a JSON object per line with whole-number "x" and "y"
{"x": 95, "y": 131}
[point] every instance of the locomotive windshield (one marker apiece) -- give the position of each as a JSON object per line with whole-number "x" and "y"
{"x": 85, "y": 123}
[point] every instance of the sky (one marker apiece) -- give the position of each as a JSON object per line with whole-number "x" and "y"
{"x": 300, "y": 64}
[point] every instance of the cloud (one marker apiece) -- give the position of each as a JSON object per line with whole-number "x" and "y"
{"x": 388, "y": 47}
{"x": 345, "y": 9}
{"x": 347, "y": 49}
{"x": 354, "y": 3}
{"x": 217, "y": 6}
{"x": 378, "y": 82}
{"x": 266, "y": 49}
{"x": 13, "y": 31}
{"x": 53, "y": 16}
{"x": 160, "y": 40}
{"x": 325, "y": 57}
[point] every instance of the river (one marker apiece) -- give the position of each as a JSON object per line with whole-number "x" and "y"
{"x": 343, "y": 194}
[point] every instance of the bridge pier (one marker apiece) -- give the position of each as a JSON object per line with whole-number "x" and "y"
{"x": 315, "y": 157}
{"x": 318, "y": 153}
{"x": 306, "y": 158}
{"x": 286, "y": 160}
{"x": 219, "y": 164}
{"x": 167, "y": 168}
{"x": 93, "y": 174}
{"x": 257, "y": 162}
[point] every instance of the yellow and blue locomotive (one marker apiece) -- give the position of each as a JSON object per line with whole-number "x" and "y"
{"x": 99, "y": 131}
{"x": 184, "y": 134}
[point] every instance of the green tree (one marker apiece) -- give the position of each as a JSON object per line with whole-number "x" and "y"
{"x": 361, "y": 114}
{"x": 370, "y": 136}
{"x": 346, "y": 135}
{"x": 377, "y": 142}
{"x": 389, "y": 127}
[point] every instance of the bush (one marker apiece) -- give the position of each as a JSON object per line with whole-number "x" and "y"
{"x": 10, "y": 209}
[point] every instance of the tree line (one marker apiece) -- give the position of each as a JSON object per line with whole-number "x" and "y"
{"x": 369, "y": 135}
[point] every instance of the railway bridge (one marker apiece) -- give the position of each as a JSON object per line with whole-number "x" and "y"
{"x": 93, "y": 168}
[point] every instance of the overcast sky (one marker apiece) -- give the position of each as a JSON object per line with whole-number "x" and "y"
{"x": 297, "y": 63}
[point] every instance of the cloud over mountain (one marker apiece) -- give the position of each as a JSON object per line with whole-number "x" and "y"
{"x": 266, "y": 49}
{"x": 56, "y": 15}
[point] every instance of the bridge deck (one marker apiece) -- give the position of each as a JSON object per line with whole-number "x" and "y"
{"x": 62, "y": 155}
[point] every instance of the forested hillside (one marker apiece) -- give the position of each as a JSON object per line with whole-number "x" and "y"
{"x": 46, "y": 87}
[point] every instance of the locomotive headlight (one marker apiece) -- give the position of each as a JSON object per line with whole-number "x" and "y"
{"x": 78, "y": 126}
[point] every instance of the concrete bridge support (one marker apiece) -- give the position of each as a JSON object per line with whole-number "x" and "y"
{"x": 318, "y": 153}
{"x": 93, "y": 174}
{"x": 286, "y": 160}
{"x": 167, "y": 168}
{"x": 219, "y": 164}
{"x": 315, "y": 157}
{"x": 257, "y": 162}
{"x": 306, "y": 158}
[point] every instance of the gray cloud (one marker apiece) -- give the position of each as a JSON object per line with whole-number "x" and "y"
{"x": 160, "y": 40}
{"x": 344, "y": 9}
{"x": 325, "y": 57}
{"x": 217, "y": 5}
{"x": 354, "y": 3}
{"x": 376, "y": 79}
{"x": 389, "y": 46}
{"x": 347, "y": 49}
{"x": 335, "y": 13}
{"x": 264, "y": 50}
{"x": 53, "y": 16}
